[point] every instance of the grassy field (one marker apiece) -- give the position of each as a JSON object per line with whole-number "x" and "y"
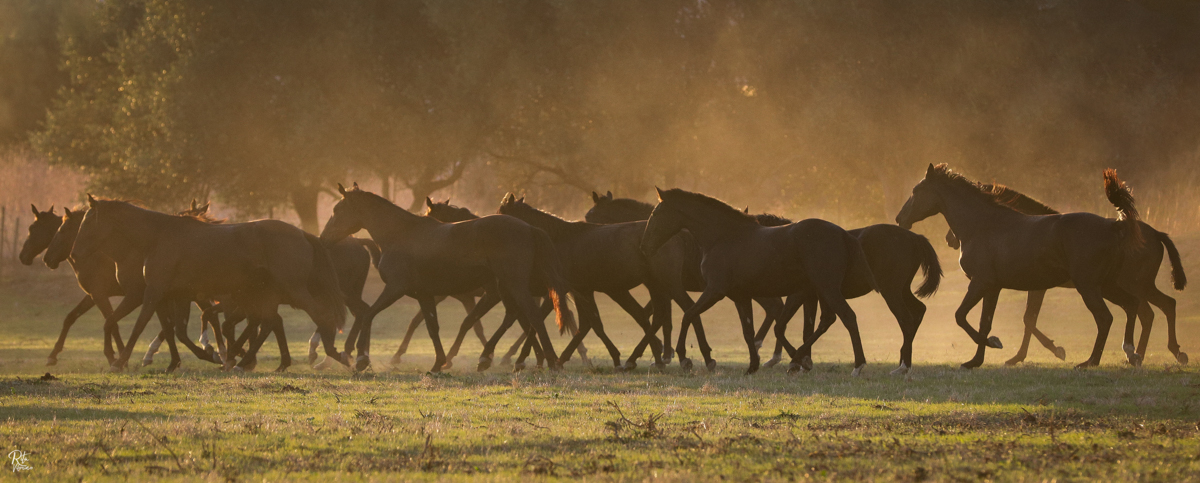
{"x": 1039, "y": 421}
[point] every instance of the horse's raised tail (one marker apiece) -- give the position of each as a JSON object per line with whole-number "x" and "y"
{"x": 930, "y": 267}
{"x": 1118, "y": 194}
{"x": 1177, "y": 275}
{"x": 323, "y": 283}
{"x": 545, "y": 259}
{"x": 370, "y": 245}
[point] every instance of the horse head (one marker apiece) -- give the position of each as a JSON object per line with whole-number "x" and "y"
{"x": 924, "y": 202}
{"x": 63, "y": 242}
{"x": 41, "y": 232}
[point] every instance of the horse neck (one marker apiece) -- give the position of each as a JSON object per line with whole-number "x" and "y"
{"x": 708, "y": 225}
{"x": 392, "y": 223}
{"x": 970, "y": 216}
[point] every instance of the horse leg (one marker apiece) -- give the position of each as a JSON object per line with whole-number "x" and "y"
{"x": 429, "y": 307}
{"x": 1129, "y": 303}
{"x": 985, "y": 326}
{"x": 1033, "y": 305}
{"x": 166, "y": 318}
{"x": 975, "y": 293}
{"x": 408, "y": 335}
{"x": 585, "y": 305}
{"x": 285, "y": 355}
{"x": 811, "y": 336}
{"x": 111, "y": 337}
{"x": 640, "y": 315}
{"x": 1166, "y": 304}
{"x": 516, "y": 298}
{"x": 1094, "y": 300}
{"x": 598, "y": 328}
{"x": 899, "y": 305}
{"x": 708, "y": 298}
{"x": 474, "y": 316}
{"x": 1146, "y": 316}
{"x": 313, "y": 343}
{"x": 485, "y": 358}
{"x": 782, "y": 318}
{"x": 570, "y": 329}
{"x": 468, "y": 302}
{"x": 772, "y": 308}
{"x": 391, "y": 293}
{"x": 180, "y": 313}
{"x": 746, "y": 317}
{"x": 250, "y": 360}
{"x": 82, "y": 307}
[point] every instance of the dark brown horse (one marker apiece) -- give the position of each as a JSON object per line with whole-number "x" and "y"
{"x": 424, "y": 258}
{"x": 676, "y": 265}
{"x": 1141, "y": 265}
{"x": 258, "y": 265}
{"x": 894, "y": 255}
{"x": 599, "y": 258}
{"x": 743, "y": 259}
{"x": 97, "y": 278}
{"x": 448, "y": 213}
{"x": 1002, "y": 248}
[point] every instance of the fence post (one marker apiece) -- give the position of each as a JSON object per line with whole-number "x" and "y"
{"x": 13, "y": 250}
{"x": 3, "y": 226}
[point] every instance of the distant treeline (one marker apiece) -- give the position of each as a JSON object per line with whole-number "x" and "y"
{"x": 807, "y": 108}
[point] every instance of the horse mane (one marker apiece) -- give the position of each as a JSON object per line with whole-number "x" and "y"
{"x": 768, "y": 219}
{"x": 705, "y": 200}
{"x": 203, "y": 217}
{"x": 549, "y": 220}
{"x": 445, "y": 205}
{"x": 995, "y": 194}
{"x": 630, "y": 204}
{"x": 1016, "y": 200}
{"x": 379, "y": 200}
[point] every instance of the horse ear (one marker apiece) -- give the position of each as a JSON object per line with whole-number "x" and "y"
{"x": 660, "y": 193}
{"x": 204, "y": 209}
{"x": 91, "y": 201}
{"x": 929, "y": 171}
{"x": 342, "y": 190}
{"x": 34, "y": 208}
{"x": 746, "y": 210}
{"x": 428, "y": 202}
{"x": 66, "y": 211}
{"x": 51, "y": 210}
{"x": 609, "y": 195}
{"x": 193, "y": 203}
{"x": 447, "y": 201}
{"x": 356, "y": 188}
{"x": 595, "y": 197}
{"x": 508, "y": 199}
{"x": 522, "y": 200}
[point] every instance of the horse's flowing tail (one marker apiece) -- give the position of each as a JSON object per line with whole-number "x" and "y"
{"x": 1177, "y": 274}
{"x": 545, "y": 259}
{"x": 930, "y": 267}
{"x": 370, "y": 245}
{"x": 323, "y": 283}
{"x": 1118, "y": 194}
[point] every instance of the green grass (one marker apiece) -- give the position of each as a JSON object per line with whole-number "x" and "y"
{"x": 1040, "y": 421}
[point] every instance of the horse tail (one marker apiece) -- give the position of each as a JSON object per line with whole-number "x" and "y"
{"x": 323, "y": 282}
{"x": 929, "y": 266}
{"x": 370, "y": 245}
{"x": 545, "y": 259}
{"x": 1177, "y": 274}
{"x": 1119, "y": 195}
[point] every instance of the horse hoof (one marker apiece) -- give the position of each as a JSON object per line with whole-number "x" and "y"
{"x": 484, "y": 363}
{"x": 1060, "y": 353}
{"x": 238, "y": 369}
{"x": 248, "y": 367}
{"x": 507, "y": 361}
{"x": 50, "y": 361}
{"x": 685, "y": 363}
{"x": 751, "y": 370}
{"x": 994, "y": 342}
{"x": 1084, "y": 365}
{"x": 449, "y": 363}
{"x": 629, "y": 366}
{"x": 312, "y": 357}
{"x": 900, "y": 371}
{"x": 771, "y": 363}
{"x": 806, "y": 363}
{"x": 857, "y": 371}
{"x": 1182, "y": 357}
{"x": 282, "y": 368}
{"x": 147, "y": 362}
{"x": 795, "y": 367}
{"x": 1012, "y": 362}
{"x": 667, "y": 355}
{"x": 518, "y": 367}
{"x": 659, "y": 366}
{"x": 969, "y": 365}
{"x": 364, "y": 361}
{"x": 711, "y": 365}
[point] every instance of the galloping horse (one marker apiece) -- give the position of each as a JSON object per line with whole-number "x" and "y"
{"x": 743, "y": 259}
{"x": 600, "y": 258}
{"x": 260, "y": 265}
{"x": 894, "y": 255}
{"x": 424, "y": 258}
{"x": 1002, "y": 248}
{"x": 1142, "y": 265}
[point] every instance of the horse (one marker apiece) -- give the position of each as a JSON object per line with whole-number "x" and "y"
{"x": 448, "y": 213}
{"x": 97, "y": 279}
{"x": 599, "y": 258}
{"x": 743, "y": 259}
{"x": 676, "y": 264}
{"x": 99, "y": 276}
{"x": 258, "y": 265}
{"x": 894, "y": 256}
{"x": 1142, "y": 265}
{"x": 424, "y": 258}
{"x": 1003, "y": 248}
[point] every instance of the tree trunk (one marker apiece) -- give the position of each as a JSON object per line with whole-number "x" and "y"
{"x": 304, "y": 201}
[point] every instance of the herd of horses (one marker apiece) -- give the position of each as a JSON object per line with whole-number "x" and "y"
{"x": 161, "y": 264}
